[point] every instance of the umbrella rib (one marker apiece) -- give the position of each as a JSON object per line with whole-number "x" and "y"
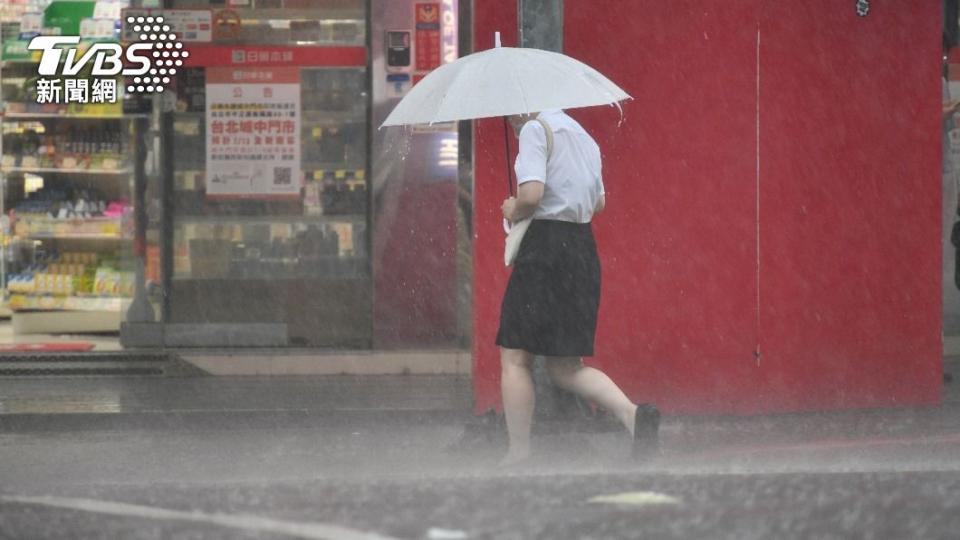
{"x": 448, "y": 92}
{"x": 440, "y": 71}
{"x": 593, "y": 85}
{"x": 442, "y": 100}
{"x": 523, "y": 95}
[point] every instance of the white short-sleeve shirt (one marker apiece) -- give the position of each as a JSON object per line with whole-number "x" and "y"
{"x": 572, "y": 177}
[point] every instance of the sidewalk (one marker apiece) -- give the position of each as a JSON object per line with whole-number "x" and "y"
{"x": 78, "y": 402}
{"x": 105, "y": 401}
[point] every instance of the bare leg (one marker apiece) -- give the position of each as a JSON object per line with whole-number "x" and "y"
{"x": 516, "y": 386}
{"x": 594, "y": 385}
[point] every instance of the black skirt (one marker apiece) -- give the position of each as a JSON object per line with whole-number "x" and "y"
{"x": 550, "y": 306}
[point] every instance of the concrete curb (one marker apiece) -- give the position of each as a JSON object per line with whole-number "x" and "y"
{"x": 454, "y": 362}
{"x": 235, "y": 419}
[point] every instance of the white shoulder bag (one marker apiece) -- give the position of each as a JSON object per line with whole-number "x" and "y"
{"x": 517, "y": 230}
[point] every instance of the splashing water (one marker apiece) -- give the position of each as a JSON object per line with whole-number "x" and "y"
{"x": 623, "y": 116}
{"x": 397, "y": 143}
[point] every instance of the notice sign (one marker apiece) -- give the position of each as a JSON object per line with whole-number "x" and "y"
{"x": 253, "y": 133}
{"x": 428, "y": 36}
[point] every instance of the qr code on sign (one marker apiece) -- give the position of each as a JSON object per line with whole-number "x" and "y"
{"x": 282, "y": 176}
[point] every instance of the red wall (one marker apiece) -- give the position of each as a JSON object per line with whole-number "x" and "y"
{"x": 848, "y": 310}
{"x": 851, "y": 168}
{"x": 489, "y": 274}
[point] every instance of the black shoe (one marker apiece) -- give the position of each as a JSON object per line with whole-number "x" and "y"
{"x": 646, "y": 432}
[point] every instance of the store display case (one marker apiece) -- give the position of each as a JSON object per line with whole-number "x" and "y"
{"x": 66, "y": 175}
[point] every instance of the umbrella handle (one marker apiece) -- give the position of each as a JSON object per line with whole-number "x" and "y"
{"x": 506, "y": 145}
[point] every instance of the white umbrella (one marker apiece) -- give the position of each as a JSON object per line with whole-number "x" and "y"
{"x": 503, "y": 81}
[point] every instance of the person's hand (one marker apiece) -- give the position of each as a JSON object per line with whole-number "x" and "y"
{"x": 951, "y": 107}
{"x": 509, "y": 207}
{"x": 601, "y": 204}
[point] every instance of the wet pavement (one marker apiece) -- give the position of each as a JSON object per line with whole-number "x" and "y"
{"x": 291, "y": 472}
{"x": 231, "y": 394}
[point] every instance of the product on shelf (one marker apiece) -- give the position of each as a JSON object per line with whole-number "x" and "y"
{"x": 63, "y": 201}
{"x": 101, "y": 146}
{"x": 271, "y": 252}
{"x": 331, "y": 89}
{"x": 341, "y": 197}
{"x": 72, "y": 274}
{"x": 191, "y": 90}
{"x": 336, "y": 145}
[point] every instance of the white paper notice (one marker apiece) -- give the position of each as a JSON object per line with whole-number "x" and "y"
{"x": 253, "y": 133}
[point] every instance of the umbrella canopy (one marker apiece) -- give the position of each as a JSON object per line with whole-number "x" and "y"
{"x": 503, "y": 81}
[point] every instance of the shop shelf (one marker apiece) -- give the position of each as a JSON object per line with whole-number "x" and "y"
{"x": 358, "y": 115}
{"x": 353, "y": 218}
{"x": 50, "y": 302}
{"x": 322, "y": 268}
{"x": 311, "y": 117}
{"x": 310, "y": 166}
{"x": 65, "y": 321}
{"x": 17, "y": 116}
{"x": 69, "y": 229}
{"x": 56, "y": 170}
{"x": 312, "y": 170}
{"x": 16, "y": 53}
{"x": 74, "y": 237}
{"x": 292, "y": 277}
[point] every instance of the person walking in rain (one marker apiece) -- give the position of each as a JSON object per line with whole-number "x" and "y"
{"x": 550, "y": 305}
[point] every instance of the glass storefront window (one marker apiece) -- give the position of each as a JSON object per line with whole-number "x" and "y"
{"x": 270, "y": 212}
{"x": 269, "y": 206}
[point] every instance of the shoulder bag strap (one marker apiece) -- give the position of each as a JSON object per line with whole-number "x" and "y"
{"x": 549, "y": 132}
